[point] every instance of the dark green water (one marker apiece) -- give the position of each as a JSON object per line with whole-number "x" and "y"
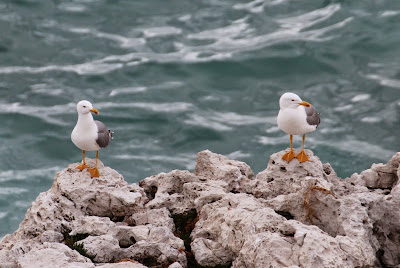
{"x": 172, "y": 78}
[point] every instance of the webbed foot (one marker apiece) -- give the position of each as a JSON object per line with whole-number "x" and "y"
{"x": 302, "y": 157}
{"x": 82, "y": 167}
{"x": 289, "y": 156}
{"x": 94, "y": 172}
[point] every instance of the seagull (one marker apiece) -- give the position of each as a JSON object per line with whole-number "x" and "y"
{"x": 89, "y": 134}
{"x": 296, "y": 117}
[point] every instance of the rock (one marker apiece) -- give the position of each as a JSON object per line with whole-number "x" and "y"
{"x": 218, "y": 167}
{"x": 125, "y": 264}
{"x": 181, "y": 191}
{"x": 289, "y": 215}
{"x": 53, "y": 255}
{"x": 382, "y": 176}
{"x": 106, "y": 196}
{"x": 79, "y": 211}
{"x": 104, "y": 248}
{"x": 175, "y": 265}
{"x": 282, "y": 178}
{"x": 155, "y": 217}
{"x": 166, "y": 190}
{"x": 160, "y": 245}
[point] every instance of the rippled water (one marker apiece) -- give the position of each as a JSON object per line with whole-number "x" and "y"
{"x": 172, "y": 78}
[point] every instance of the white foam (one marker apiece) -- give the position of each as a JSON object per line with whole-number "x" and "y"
{"x": 256, "y": 6}
{"x": 45, "y": 89}
{"x": 45, "y": 113}
{"x": 169, "y": 107}
{"x": 273, "y": 129}
{"x": 80, "y": 30}
{"x": 390, "y": 13}
{"x": 371, "y": 119}
{"x": 12, "y": 190}
{"x": 237, "y": 155}
{"x": 309, "y": 19}
{"x": 360, "y": 97}
{"x": 362, "y": 148}
{"x": 161, "y": 31}
{"x": 394, "y": 83}
{"x": 266, "y": 140}
{"x": 168, "y": 85}
{"x": 22, "y": 175}
{"x": 231, "y": 31}
{"x": 125, "y": 42}
{"x": 225, "y": 121}
{"x": 3, "y": 215}
{"x": 127, "y": 90}
{"x": 343, "y": 108}
{"x": 205, "y": 122}
{"x": 186, "y": 17}
{"x": 72, "y": 7}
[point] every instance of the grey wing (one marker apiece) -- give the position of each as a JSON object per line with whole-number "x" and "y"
{"x": 104, "y": 134}
{"x": 312, "y": 116}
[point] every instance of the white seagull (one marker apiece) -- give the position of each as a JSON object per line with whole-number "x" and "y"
{"x": 296, "y": 117}
{"x": 89, "y": 134}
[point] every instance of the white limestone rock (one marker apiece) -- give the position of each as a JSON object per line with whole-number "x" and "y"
{"x": 160, "y": 244}
{"x": 382, "y": 176}
{"x": 53, "y": 255}
{"x": 125, "y": 264}
{"x": 106, "y": 196}
{"x": 343, "y": 222}
{"x": 175, "y": 265}
{"x": 218, "y": 167}
{"x": 237, "y": 218}
{"x": 165, "y": 190}
{"x": 155, "y": 217}
{"x": 282, "y": 178}
{"x": 81, "y": 206}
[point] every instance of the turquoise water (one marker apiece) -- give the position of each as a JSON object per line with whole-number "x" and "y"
{"x": 172, "y": 78}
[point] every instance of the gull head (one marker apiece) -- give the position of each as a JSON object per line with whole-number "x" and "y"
{"x": 85, "y": 107}
{"x": 291, "y": 101}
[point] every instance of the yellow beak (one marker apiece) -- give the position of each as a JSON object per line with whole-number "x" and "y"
{"x": 304, "y": 103}
{"x": 94, "y": 111}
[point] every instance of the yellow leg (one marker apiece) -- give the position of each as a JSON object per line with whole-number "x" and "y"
{"x": 83, "y": 165}
{"x": 290, "y": 155}
{"x": 94, "y": 172}
{"x": 302, "y": 157}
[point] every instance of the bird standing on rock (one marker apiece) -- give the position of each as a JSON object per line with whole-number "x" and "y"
{"x": 296, "y": 117}
{"x": 89, "y": 134}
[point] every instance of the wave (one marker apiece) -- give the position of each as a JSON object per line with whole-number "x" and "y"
{"x": 225, "y": 121}
{"x": 238, "y": 37}
{"x": 53, "y": 114}
{"x": 29, "y": 174}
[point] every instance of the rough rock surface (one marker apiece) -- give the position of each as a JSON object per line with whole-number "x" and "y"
{"x": 288, "y": 215}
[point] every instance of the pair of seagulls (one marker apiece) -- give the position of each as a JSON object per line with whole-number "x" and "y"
{"x": 296, "y": 117}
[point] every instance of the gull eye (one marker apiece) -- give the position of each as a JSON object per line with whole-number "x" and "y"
{"x": 84, "y": 106}
{"x": 292, "y": 100}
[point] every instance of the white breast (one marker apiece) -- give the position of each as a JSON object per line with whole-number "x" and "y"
{"x": 84, "y": 135}
{"x": 294, "y": 121}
